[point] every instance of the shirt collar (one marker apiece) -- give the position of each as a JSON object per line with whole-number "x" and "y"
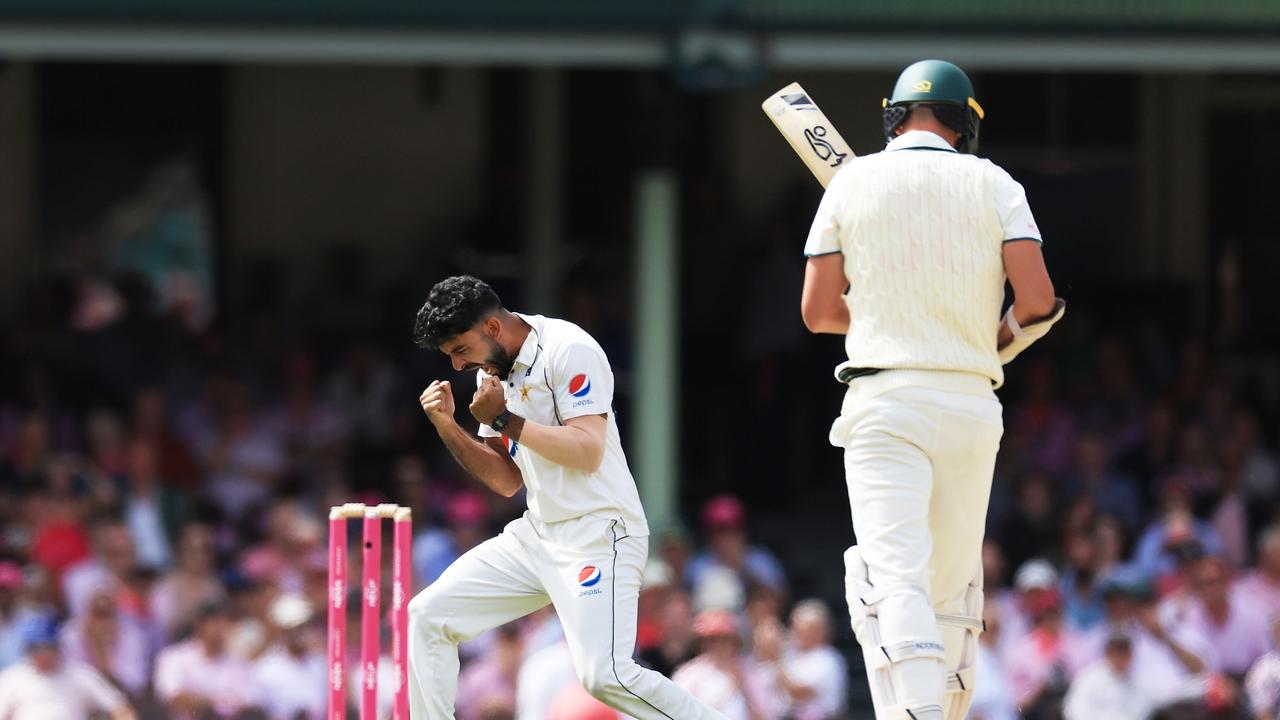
{"x": 529, "y": 350}
{"x": 919, "y": 140}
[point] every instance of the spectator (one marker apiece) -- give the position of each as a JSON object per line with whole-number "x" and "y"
{"x": 152, "y": 425}
{"x": 1260, "y": 587}
{"x": 814, "y": 673}
{"x": 152, "y": 510}
{"x": 1156, "y": 553}
{"x": 114, "y": 643}
{"x": 1108, "y": 689}
{"x": 47, "y": 686}
{"x": 673, "y": 549}
{"x": 1155, "y": 454}
{"x": 1169, "y": 661}
{"x": 367, "y": 387}
{"x": 1260, "y": 473}
{"x": 1081, "y": 603}
{"x": 676, "y": 647}
{"x": 191, "y": 584}
{"x": 242, "y": 458}
{"x": 310, "y": 429}
{"x": 293, "y": 545}
{"x": 113, "y": 561}
{"x": 1238, "y": 632}
{"x": 1110, "y": 544}
{"x": 291, "y": 678}
{"x": 1045, "y": 422}
{"x": 58, "y": 538}
{"x": 467, "y": 520}
{"x": 1037, "y": 664}
{"x": 17, "y": 615}
{"x": 998, "y": 594}
{"x": 655, "y": 590}
{"x": 724, "y": 521}
{"x": 1111, "y": 491}
{"x": 488, "y": 686}
{"x": 1030, "y": 530}
{"x": 1033, "y": 578}
{"x": 1262, "y": 684}
{"x": 993, "y": 698}
{"x": 199, "y": 677}
{"x": 718, "y": 676}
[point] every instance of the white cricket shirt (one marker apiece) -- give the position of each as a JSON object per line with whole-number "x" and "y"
{"x": 921, "y": 229}
{"x": 561, "y": 373}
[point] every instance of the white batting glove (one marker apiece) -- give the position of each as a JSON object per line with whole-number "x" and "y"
{"x": 1023, "y": 337}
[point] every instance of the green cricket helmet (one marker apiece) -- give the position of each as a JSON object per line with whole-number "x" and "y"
{"x": 946, "y": 90}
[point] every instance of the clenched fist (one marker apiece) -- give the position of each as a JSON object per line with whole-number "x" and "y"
{"x": 488, "y": 402}
{"x": 437, "y": 402}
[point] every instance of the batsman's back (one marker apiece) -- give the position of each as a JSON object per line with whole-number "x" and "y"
{"x": 921, "y": 240}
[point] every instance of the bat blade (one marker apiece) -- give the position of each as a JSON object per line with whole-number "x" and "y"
{"x": 807, "y": 129}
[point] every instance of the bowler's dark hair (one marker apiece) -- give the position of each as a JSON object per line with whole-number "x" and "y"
{"x": 453, "y": 307}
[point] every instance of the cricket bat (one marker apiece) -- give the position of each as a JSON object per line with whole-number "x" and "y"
{"x": 811, "y": 135}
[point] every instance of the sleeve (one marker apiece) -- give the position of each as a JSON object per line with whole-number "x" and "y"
{"x": 168, "y": 684}
{"x": 485, "y": 431}
{"x": 824, "y": 234}
{"x": 1015, "y": 214}
{"x": 8, "y": 697}
{"x": 1262, "y": 685}
{"x": 581, "y": 380}
{"x": 100, "y": 693}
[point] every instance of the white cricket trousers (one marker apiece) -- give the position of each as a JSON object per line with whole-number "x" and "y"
{"x": 590, "y": 569}
{"x": 920, "y": 450}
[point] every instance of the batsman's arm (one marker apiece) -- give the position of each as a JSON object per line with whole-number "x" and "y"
{"x": 1035, "y": 308}
{"x": 486, "y": 460}
{"x": 822, "y": 302}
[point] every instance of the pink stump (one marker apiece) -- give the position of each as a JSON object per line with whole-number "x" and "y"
{"x": 337, "y": 646}
{"x": 401, "y": 583}
{"x": 370, "y": 590}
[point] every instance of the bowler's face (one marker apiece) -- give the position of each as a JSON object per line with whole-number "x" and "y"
{"x": 475, "y": 350}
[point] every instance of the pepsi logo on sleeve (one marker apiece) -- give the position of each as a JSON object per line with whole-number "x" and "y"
{"x": 580, "y": 388}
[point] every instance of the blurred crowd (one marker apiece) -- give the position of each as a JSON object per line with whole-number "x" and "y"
{"x": 162, "y": 548}
{"x": 1133, "y": 556}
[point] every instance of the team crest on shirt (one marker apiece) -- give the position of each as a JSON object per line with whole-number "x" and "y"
{"x": 588, "y": 578}
{"x": 580, "y": 385}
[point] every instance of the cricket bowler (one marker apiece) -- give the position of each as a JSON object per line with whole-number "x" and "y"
{"x": 907, "y": 258}
{"x": 544, "y": 404}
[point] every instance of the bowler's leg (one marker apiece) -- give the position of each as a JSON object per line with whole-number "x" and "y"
{"x": 490, "y": 585}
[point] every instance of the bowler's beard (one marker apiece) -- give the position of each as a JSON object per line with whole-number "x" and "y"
{"x": 499, "y": 358}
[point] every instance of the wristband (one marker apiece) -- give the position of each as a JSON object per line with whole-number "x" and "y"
{"x": 500, "y": 423}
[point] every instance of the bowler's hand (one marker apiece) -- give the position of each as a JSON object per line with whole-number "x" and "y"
{"x": 488, "y": 402}
{"x": 437, "y": 403}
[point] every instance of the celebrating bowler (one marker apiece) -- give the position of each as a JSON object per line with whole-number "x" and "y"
{"x": 544, "y": 404}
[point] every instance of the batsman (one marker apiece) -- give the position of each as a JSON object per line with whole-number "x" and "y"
{"x": 907, "y": 258}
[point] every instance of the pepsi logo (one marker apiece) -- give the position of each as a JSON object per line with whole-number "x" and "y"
{"x": 512, "y": 445}
{"x": 580, "y": 385}
{"x": 588, "y": 576}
